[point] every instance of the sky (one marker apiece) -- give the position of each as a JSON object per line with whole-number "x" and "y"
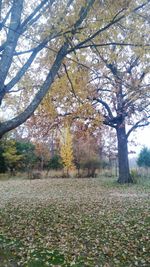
{"x": 141, "y": 138}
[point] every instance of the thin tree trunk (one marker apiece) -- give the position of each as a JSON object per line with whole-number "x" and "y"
{"x": 124, "y": 173}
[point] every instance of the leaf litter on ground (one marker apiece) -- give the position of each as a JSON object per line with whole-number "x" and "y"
{"x": 73, "y": 222}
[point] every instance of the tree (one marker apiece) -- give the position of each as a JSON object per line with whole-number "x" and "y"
{"x": 51, "y": 29}
{"x": 66, "y": 150}
{"x": 86, "y": 150}
{"x": 27, "y": 152}
{"x": 118, "y": 97}
{"x": 3, "y": 167}
{"x": 55, "y": 163}
{"x": 42, "y": 152}
{"x": 122, "y": 95}
{"x": 144, "y": 158}
{"x": 11, "y": 156}
{"x": 118, "y": 90}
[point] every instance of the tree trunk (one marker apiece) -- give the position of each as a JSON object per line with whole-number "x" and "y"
{"x": 124, "y": 173}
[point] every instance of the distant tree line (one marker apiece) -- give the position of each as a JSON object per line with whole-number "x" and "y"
{"x": 85, "y": 160}
{"x": 75, "y": 153}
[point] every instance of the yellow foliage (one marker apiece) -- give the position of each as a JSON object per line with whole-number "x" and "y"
{"x": 48, "y": 106}
{"x": 10, "y": 153}
{"x": 66, "y": 151}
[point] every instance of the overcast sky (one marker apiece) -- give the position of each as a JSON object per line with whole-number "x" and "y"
{"x": 142, "y": 138}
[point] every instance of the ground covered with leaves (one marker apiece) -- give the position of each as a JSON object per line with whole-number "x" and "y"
{"x": 73, "y": 222}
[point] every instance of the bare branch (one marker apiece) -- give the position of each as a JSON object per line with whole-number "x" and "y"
{"x": 141, "y": 123}
{"x": 5, "y": 19}
{"x": 69, "y": 79}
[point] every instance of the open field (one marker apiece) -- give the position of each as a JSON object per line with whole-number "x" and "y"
{"x": 73, "y": 222}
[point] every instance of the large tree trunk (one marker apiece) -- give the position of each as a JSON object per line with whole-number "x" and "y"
{"x": 124, "y": 173}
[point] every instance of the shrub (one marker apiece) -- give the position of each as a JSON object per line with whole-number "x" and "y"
{"x": 134, "y": 175}
{"x": 27, "y": 151}
{"x": 34, "y": 175}
{"x": 55, "y": 163}
{"x": 91, "y": 165}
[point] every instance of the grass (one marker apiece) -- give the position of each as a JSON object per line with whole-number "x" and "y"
{"x": 74, "y": 222}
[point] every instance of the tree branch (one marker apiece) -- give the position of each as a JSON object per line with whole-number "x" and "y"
{"x": 141, "y": 123}
{"x": 114, "y": 20}
{"x": 1, "y": 9}
{"x": 69, "y": 79}
{"x": 83, "y": 14}
{"x": 11, "y": 43}
{"x": 108, "y": 123}
{"x": 106, "y": 107}
{"x": 21, "y": 118}
{"x": 33, "y": 17}
{"x": 107, "y": 44}
{"x": 81, "y": 44}
{"x": 28, "y": 63}
{"x": 5, "y": 19}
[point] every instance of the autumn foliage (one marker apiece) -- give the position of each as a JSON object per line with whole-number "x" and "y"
{"x": 66, "y": 150}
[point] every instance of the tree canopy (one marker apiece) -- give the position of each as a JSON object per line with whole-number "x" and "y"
{"x": 46, "y": 34}
{"x": 88, "y": 60}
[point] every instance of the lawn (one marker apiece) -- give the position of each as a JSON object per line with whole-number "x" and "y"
{"x": 73, "y": 222}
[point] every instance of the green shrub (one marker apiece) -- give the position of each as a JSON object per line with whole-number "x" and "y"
{"x": 134, "y": 175}
{"x": 55, "y": 163}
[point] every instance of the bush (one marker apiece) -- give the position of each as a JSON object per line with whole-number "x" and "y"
{"x": 55, "y": 163}
{"x": 34, "y": 175}
{"x": 91, "y": 166}
{"x": 27, "y": 151}
{"x": 134, "y": 175}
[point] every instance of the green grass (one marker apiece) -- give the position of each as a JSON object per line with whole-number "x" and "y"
{"x": 74, "y": 222}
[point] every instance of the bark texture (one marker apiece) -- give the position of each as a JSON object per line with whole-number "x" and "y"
{"x": 124, "y": 172}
